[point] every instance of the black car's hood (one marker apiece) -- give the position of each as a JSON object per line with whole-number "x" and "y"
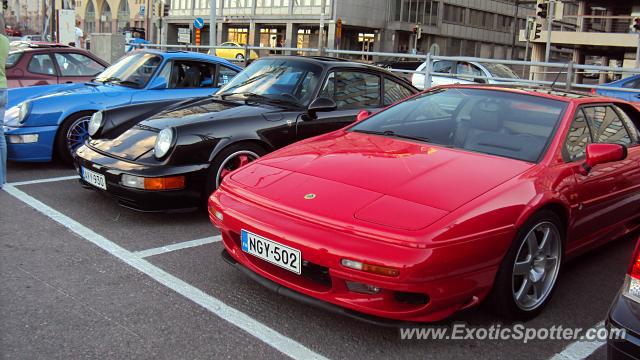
{"x": 140, "y": 139}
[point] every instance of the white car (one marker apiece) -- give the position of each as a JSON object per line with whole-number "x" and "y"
{"x": 464, "y": 72}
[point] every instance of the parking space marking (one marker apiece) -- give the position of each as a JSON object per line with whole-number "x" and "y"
{"x": 235, "y": 317}
{"x": 580, "y": 349}
{"x": 177, "y": 246}
{"x": 46, "y": 180}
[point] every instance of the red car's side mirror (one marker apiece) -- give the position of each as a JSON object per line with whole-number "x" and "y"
{"x": 603, "y": 153}
{"x": 362, "y": 114}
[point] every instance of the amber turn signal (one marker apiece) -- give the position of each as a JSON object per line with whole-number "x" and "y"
{"x": 166, "y": 183}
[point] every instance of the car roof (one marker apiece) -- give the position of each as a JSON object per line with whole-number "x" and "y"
{"x": 332, "y": 62}
{"x": 555, "y": 94}
{"x": 179, "y": 54}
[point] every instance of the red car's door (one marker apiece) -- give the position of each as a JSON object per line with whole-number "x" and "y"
{"x": 76, "y": 67}
{"x": 608, "y": 194}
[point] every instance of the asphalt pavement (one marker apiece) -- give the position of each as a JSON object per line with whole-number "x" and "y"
{"x": 84, "y": 277}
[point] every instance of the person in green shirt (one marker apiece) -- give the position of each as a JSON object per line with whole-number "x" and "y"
{"x": 4, "y": 51}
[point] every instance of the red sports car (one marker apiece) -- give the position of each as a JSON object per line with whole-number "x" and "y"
{"x": 455, "y": 195}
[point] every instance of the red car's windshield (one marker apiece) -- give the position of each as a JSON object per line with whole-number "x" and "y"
{"x": 493, "y": 122}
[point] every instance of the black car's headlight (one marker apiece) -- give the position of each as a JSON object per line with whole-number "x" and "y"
{"x": 164, "y": 141}
{"x": 95, "y": 123}
{"x": 23, "y": 112}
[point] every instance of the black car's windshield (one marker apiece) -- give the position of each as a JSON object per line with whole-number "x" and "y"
{"x": 133, "y": 70}
{"x": 501, "y": 123}
{"x": 284, "y": 80}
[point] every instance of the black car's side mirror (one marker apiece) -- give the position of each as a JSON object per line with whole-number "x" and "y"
{"x": 319, "y": 105}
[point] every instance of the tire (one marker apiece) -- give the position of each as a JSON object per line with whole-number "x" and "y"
{"x": 225, "y": 161}
{"x": 75, "y": 126}
{"x": 511, "y": 297}
{"x": 240, "y": 57}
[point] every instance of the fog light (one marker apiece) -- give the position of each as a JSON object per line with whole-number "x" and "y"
{"x": 164, "y": 183}
{"x": 362, "y": 288}
{"x": 22, "y": 139}
{"x": 219, "y": 215}
{"x": 374, "y": 269}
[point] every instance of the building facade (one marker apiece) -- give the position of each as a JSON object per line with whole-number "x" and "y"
{"x": 456, "y": 27}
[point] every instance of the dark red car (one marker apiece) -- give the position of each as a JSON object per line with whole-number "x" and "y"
{"x": 40, "y": 63}
{"x": 448, "y": 198}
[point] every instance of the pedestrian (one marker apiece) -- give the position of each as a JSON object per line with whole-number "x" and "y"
{"x": 137, "y": 42}
{"x": 279, "y": 44}
{"x": 4, "y": 51}
{"x": 79, "y": 34}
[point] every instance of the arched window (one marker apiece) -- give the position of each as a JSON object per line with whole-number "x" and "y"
{"x": 123, "y": 15}
{"x": 90, "y": 18}
{"x": 105, "y": 18}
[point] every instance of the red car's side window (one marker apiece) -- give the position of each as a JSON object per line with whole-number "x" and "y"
{"x": 606, "y": 125}
{"x": 41, "y": 64}
{"x": 577, "y": 139}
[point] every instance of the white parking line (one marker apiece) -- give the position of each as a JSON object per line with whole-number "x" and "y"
{"x": 40, "y": 181}
{"x": 255, "y": 328}
{"x": 177, "y": 246}
{"x": 580, "y": 349}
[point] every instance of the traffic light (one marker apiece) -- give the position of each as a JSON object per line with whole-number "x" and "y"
{"x": 636, "y": 24}
{"x": 537, "y": 29}
{"x": 542, "y": 10}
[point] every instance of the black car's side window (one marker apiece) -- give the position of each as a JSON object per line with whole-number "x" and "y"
{"x": 41, "y": 64}
{"x": 579, "y": 136}
{"x": 606, "y": 125}
{"x": 352, "y": 89}
{"x": 225, "y": 75}
{"x": 394, "y": 91}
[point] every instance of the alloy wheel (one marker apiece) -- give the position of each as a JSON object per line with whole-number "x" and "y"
{"x": 536, "y": 266}
{"x": 78, "y": 132}
{"x": 233, "y": 162}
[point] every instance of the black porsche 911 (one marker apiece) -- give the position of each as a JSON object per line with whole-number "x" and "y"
{"x": 170, "y": 157}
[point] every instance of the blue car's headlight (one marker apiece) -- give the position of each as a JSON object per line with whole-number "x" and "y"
{"x": 23, "y": 112}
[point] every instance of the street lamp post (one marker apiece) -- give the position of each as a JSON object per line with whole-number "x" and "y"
{"x": 213, "y": 28}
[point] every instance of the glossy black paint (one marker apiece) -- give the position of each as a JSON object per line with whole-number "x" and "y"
{"x": 204, "y": 127}
{"x": 624, "y": 313}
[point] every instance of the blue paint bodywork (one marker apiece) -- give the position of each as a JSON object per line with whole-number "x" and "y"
{"x": 631, "y": 82}
{"x": 50, "y": 105}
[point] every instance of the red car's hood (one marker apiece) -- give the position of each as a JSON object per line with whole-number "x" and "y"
{"x": 377, "y": 179}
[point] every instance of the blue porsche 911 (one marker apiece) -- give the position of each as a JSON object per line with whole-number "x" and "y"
{"x": 43, "y": 122}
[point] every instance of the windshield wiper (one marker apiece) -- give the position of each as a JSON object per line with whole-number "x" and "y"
{"x": 248, "y": 96}
{"x": 117, "y": 80}
{"x": 392, "y": 133}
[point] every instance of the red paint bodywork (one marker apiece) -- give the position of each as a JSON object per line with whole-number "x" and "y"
{"x": 18, "y": 74}
{"x": 444, "y": 217}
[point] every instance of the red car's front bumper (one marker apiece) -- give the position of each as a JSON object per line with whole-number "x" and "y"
{"x": 433, "y": 282}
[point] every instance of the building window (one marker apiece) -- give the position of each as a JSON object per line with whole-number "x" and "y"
{"x": 424, "y": 12}
{"x": 504, "y": 23}
{"x": 272, "y": 7}
{"x": 454, "y": 14}
{"x": 238, "y": 35}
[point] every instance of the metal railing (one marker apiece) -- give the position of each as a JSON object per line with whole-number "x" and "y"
{"x": 560, "y": 75}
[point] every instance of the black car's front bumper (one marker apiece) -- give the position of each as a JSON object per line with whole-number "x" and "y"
{"x": 189, "y": 198}
{"x": 624, "y": 314}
